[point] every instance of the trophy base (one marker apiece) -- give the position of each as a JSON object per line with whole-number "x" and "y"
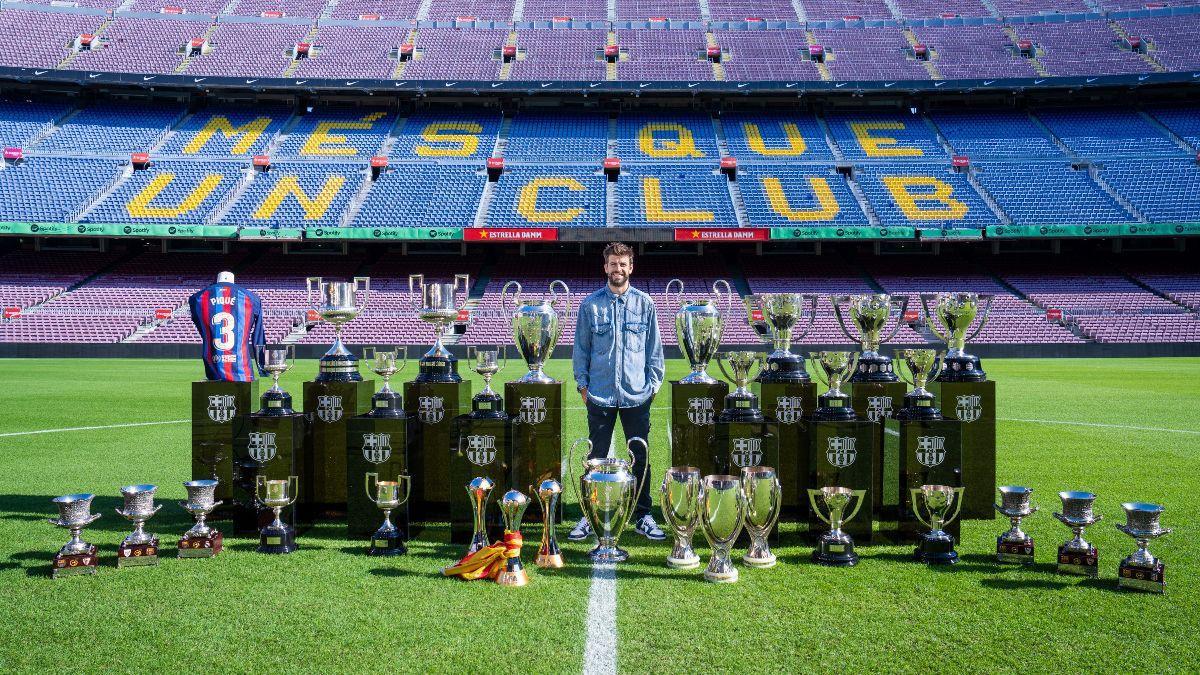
{"x": 1080, "y": 563}
{"x": 388, "y": 543}
{"x": 761, "y": 560}
{"x": 70, "y": 564}
{"x": 874, "y": 369}
{"x": 784, "y": 368}
{"x": 963, "y": 368}
{"x": 925, "y": 413}
{"x": 740, "y": 409}
{"x": 834, "y": 415}
{"x": 338, "y": 368}
{"x": 608, "y": 554}
{"x": 729, "y": 576}
{"x": 1138, "y": 578}
{"x": 835, "y": 554}
{"x": 388, "y": 404}
{"x": 1018, "y": 552}
{"x": 698, "y": 377}
{"x": 487, "y": 407}
{"x": 438, "y": 369}
{"x": 514, "y": 578}
{"x": 275, "y": 404}
{"x": 138, "y": 555}
{"x": 553, "y": 561}
{"x": 684, "y": 563}
{"x": 201, "y": 547}
{"x": 277, "y": 540}
{"x": 936, "y": 551}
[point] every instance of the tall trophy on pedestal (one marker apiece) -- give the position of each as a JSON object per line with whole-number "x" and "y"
{"x": 483, "y": 448}
{"x": 870, "y": 314}
{"x": 377, "y": 442}
{"x": 275, "y": 401}
{"x": 436, "y": 303}
{"x": 386, "y": 402}
{"x": 833, "y": 368}
{"x": 924, "y": 365}
{"x": 963, "y": 388}
{"x": 936, "y": 547}
{"x": 835, "y": 547}
{"x": 1015, "y": 546}
{"x": 201, "y": 540}
{"x": 1141, "y": 571}
{"x": 139, "y": 547}
{"x": 697, "y": 398}
{"x": 336, "y": 303}
{"x": 534, "y": 400}
{"x": 271, "y": 446}
{"x": 782, "y": 312}
{"x": 1078, "y": 556}
{"x": 388, "y": 495}
{"x": 743, "y": 436}
{"x": 76, "y": 556}
{"x": 741, "y": 405}
{"x": 487, "y": 364}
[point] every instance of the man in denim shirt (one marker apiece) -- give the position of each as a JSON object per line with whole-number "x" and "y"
{"x": 618, "y": 361}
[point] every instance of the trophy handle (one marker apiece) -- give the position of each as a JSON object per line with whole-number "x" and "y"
{"x": 812, "y": 499}
{"x": 503, "y": 355}
{"x": 679, "y": 295}
{"x": 814, "y": 362}
{"x": 903, "y": 302}
{"x": 836, "y": 301}
{"x": 958, "y": 491}
{"x": 939, "y": 366}
{"x": 761, "y": 360}
{"x": 859, "y": 495}
{"x": 728, "y": 293}
{"x": 911, "y": 381}
{"x": 987, "y": 308}
{"x": 633, "y": 462}
{"x": 406, "y": 481}
{"x": 718, "y": 357}
{"x": 260, "y": 481}
{"x": 403, "y": 352}
{"x": 366, "y": 291}
{"x": 914, "y": 494}
{"x": 308, "y": 285}
{"x": 415, "y": 281}
{"x": 569, "y": 471}
{"x": 812, "y": 316}
{"x": 566, "y": 291}
{"x": 466, "y": 284}
{"x": 516, "y": 298}
{"x": 369, "y": 475}
{"x": 930, "y": 316}
{"x": 776, "y": 506}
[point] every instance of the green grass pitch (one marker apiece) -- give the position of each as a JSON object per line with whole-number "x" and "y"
{"x": 328, "y": 607}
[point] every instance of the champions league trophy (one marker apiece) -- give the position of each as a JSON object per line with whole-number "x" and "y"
{"x": 435, "y": 304}
{"x": 833, "y": 368}
{"x": 536, "y": 328}
{"x": 835, "y": 547}
{"x": 202, "y": 540}
{"x": 607, "y": 492}
{"x": 275, "y": 401}
{"x": 76, "y": 556}
{"x": 549, "y": 555}
{"x": 936, "y": 547}
{"x": 680, "y": 507}
{"x": 741, "y": 405}
{"x": 955, "y": 312}
{"x": 386, "y": 402}
{"x": 698, "y": 329}
{"x": 139, "y": 547}
{"x": 924, "y": 365}
{"x": 1015, "y": 546}
{"x": 336, "y": 303}
{"x": 278, "y": 536}
{"x": 487, "y": 365}
{"x": 764, "y": 496}
{"x": 781, "y": 312}
{"x": 1141, "y": 571}
{"x": 1078, "y": 556}
{"x": 388, "y": 540}
{"x": 722, "y": 506}
{"x": 869, "y": 314}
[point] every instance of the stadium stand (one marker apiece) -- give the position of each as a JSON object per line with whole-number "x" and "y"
{"x": 447, "y": 135}
{"x": 778, "y": 195}
{"x": 49, "y": 189}
{"x": 559, "y": 55}
{"x": 558, "y": 136}
{"x": 652, "y": 195}
{"x": 111, "y": 128}
{"x": 549, "y": 196}
{"x": 1107, "y": 132}
{"x": 1048, "y": 193}
{"x": 422, "y": 195}
{"x": 923, "y": 195}
{"x": 994, "y": 133}
{"x": 775, "y": 137}
{"x": 297, "y": 194}
{"x": 181, "y": 192}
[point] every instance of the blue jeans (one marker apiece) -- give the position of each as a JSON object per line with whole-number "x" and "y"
{"x": 636, "y": 423}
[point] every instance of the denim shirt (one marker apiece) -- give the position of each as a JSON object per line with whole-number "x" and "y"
{"x": 618, "y": 351}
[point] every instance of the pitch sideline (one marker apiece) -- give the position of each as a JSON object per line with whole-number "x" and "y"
{"x": 102, "y": 426}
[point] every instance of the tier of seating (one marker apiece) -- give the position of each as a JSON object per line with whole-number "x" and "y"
{"x": 465, "y": 40}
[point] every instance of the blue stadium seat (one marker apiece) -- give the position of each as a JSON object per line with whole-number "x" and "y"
{"x": 271, "y": 200}
{"x": 673, "y": 195}
{"x": 447, "y": 135}
{"x": 673, "y": 137}
{"x": 22, "y": 121}
{"x": 562, "y": 196}
{"x": 559, "y": 136}
{"x": 338, "y": 133}
{"x": 884, "y": 136}
{"x": 775, "y": 137}
{"x": 1164, "y": 191}
{"x": 112, "y": 127}
{"x": 1098, "y": 133}
{"x": 923, "y": 195}
{"x": 1049, "y": 193}
{"x": 780, "y": 195}
{"x": 981, "y": 134}
{"x": 412, "y": 195}
{"x": 52, "y": 189}
{"x": 227, "y": 131}
{"x": 1184, "y": 121}
{"x": 170, "y": 192}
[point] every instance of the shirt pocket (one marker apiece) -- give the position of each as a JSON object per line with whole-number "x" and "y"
{"x": 602, "y": 336}
{"x": 635, "y": 336}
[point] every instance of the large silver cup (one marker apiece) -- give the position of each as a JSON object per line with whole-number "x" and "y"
{"x": 835, "y": 547}
{"x": 139, "y": 507}
{"x": 680, "y": 506}
{"x": 607, "y": 492}
{"x": 782, "y": 312}
{"x": 869, "y": 314}
{"x": 436, "y": 304}
{"x": 336, "y": 302}
{"x": 699, "y": 326}
{"x": 74, "y": 514}
{"x": 1015, "y": 504}
{"x": 1141, "y": 570}
{"x": 722, "y": 515}
{"x": 536, "y": 327}
{"x": 763, "y": 499}
{"x": 955, "y": 312}
{"x": 201, "y": 500}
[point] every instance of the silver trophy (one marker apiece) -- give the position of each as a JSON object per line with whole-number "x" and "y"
{"x": 763, "y": 499}
{"x": 680, "y": 506}
{"x": 924, "y": 366}
{"x": 833, "y": 369}
{"x": 388, "y": 496}
{"x": 698, "y": 329}
{"x": 512, "y": 509}
{"x": 955, "y": 312}
{"x": 1015, "y": 546}
{"x": 536, "y": 327}
{"x": 607, "y": 492}
{"x": 277, "y": 361}
{"x": 487, "y": 363}
{"x": 1078, "y": 556}
{"x": 139, "y": 547}
{"x": 337, "y": 304}
{"x": 781, "y": 313}
{"x": 722, "y": 514}
{"x": 1141, "y": 571}
{"x": 870, "y": 314}
{"x": 76, "y": 556}
{"x": 936, "y": 547}
{"x": 278, "y": 537}
{"x": 200, "y": 541}
{"x": 835, "y": 547}
{"x": 478, "y": 491}
{"x": 386, "y": 402}
{"x": 741, "y": 405}
{"x": 435, "y": 303}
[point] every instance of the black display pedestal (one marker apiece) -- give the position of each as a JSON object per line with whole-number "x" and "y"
{"x": 328, "y": 407}
{"x": 535, "y": 411}
{"x": 484, "y": 449}
{"x": 737, "y": 445}
{"x": 925, "y": 452}
{"x": 694, "y": 410}
{"x": 842, "y": 454}
{"x": 431, "y": 408}
{"x": 220, "y": 412}
{"x": 374, "y": 445}
{"x": 790, "y": 404}
{"x": 270, "y": 447}
{"x": 876, "y": 402}
{"x": 974, "y": 404}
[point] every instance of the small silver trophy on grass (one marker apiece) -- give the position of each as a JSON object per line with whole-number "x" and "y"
{"x": 202, "y": 540}
{"x": 1078, "y": 556}
{"x": 1015, "y": 546}
{"x": 76, "y": 556}
{"x": 1141, "y": 571}
{"x": 139, "y": 547}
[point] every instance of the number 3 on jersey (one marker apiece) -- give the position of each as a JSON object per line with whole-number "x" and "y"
{"x": 223, "y": 323}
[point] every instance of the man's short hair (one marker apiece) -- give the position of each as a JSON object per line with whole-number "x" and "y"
{"x": 618, "y": 249}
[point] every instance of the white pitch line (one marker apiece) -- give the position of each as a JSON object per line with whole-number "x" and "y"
{"x": 600, "y": 648}
{"x": 1099, "y": 424}
{"x": 104, "y": 426}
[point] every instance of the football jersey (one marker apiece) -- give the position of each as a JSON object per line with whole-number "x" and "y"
{"x": 229, "y": 319}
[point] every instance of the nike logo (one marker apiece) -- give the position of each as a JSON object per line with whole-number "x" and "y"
{"x": 938, "y": 84}
{"x": 1143, "y": 78}
{"x": 252, "y": 81}
{"x": 199, "y": 79}
{"x": 987, "y": 82}
{"x": 401, "y": 82}
{"x": 303, "y": 81}
{"x": 546, "y": 84}
{"x": 496, "y": 84}
{"x": 450, "y": 84}
{"x": 789, "y": 85}
{"x": 644, "y": 85}
{"x": 839, "y": 85}
{"x": 40, "y": 72}
{"x": 593, "y": 85}
{"x": 1035, "y": 81}
{"x": 1092, "y": 79}
{"x": 148, "y": 78}
{"x": 888, "y": 84}
{"x": 94, "y": 75}
{"x": 352, "y": 82}
{"x": 743, "y": 84}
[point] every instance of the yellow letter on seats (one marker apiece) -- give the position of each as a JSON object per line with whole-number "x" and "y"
{"x": 314, "y": 208}
{"x": 952, "y": 209}
{"x": 882, "y": 146}
{"x": 139, "y": 206}
{"x": 828, "y": 205}
{"x": 467, "y": 142}
{"x": 527, "y": 200}
{"x": 321, "y": 137}
{"x": 249, "y": 133}
{"x": 656, "y": 213}
{"x": 796, "y": 144}
{"x": 684, "y": 144}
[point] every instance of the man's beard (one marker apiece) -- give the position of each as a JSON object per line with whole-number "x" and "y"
{"x": 617, "y": 279}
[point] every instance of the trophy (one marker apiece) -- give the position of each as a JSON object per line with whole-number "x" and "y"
{"x": 387, "y": 540}
{"x": 549, "y": 555}
{"x": 436, "y": 305}
{"x": 1078, "y": 556}
{"x": 936, "y": 547}
{"x": 722, "y": 507}
{"x": 278, "y": 536}
{"x": 275, "y": 401}
{"x": 478, "y": 490}
{"x": 535, "y": 328}
{"x": 955, "y": 312}
{"x": 386, "y": 402}
{"x": 512, "y": 507}
{"x": 201, "y": 540}
{"x": 139, "y": 547}
{"x": 924, "y": 366}
{"x": 607, "y": 491}
{"x": 781, "y": 312}
{"x": 740, "y": 405}
{"x": 336, "y": 303}
{"x": 835, "y": 547}
{"x": 76, "y": 556}
{"x": 698, "y": 329}
{"x": 487, "y": 364}
{"x": 763, "y": 498}
{"x": 833, "y": 368}
{"x": 680, "y": 507}
{"x": 869, "y": 314}
{"x": 1141, "y": 571}
{"x": 1015, "y": 546}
